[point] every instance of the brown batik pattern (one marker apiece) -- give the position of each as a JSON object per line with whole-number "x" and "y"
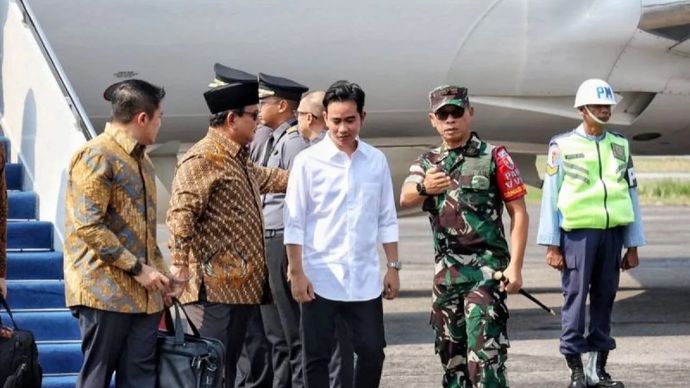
{"x": 216, "y": 223}
{"x": 110, "y": 223}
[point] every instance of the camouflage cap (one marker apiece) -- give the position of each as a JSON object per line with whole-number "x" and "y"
{"x": 448, "y": 95}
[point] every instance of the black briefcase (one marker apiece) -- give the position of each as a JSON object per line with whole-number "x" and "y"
{"x": 188, "y": 360}
{"x": 19, "y": 367}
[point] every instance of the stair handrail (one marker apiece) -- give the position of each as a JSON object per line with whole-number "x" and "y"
{"x": 72, "y": 99}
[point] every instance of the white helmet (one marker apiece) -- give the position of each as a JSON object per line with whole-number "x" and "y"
{"x": 594, "y": 92}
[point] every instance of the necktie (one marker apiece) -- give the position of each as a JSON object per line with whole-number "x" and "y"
{"x": 267, "y": 151}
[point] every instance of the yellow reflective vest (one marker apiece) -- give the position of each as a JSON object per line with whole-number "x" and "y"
{"x": 594, "y": 193}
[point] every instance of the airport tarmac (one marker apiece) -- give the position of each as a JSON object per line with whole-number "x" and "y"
{"x": 651, "y": 320}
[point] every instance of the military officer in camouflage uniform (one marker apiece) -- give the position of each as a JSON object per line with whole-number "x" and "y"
{"x": 463, "y": 185}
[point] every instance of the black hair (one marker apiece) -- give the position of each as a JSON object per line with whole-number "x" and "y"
{"x": 134, "y": 96}
{"x": 218, "y": 119}
{"x": 342, "y": 91}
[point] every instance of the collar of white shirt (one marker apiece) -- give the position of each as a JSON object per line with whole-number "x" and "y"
{"x": 332, "y": 150}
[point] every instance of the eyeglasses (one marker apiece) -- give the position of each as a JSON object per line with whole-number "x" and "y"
{"x": 254, "y": 115}
{"x": 443, "y": 114}
{"x": 306, "y": 113}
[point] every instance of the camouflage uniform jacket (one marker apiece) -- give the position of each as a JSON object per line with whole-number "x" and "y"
{"x": 216, "y": 223}
{"x": 110, "y": 223}
{"x": 469, "y": 241}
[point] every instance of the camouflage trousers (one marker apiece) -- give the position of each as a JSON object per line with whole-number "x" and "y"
{"x": 471, "y": 334}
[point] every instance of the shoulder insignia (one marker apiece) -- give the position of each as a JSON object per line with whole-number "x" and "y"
{"x": 503, "y": 157}
{"x": 292, "y": 129}
{"x": 552, "y": 159}
{"x": 617, "y": 134}
{"x": 618, "y": 151}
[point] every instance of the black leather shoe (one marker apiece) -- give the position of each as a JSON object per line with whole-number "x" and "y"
{"x": 577, "y": 372}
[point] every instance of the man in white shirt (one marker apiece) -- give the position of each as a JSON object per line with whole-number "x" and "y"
{"x": 338, "y": 205}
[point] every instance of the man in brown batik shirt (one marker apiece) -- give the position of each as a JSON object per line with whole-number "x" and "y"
{"x": 115, "y": 277}
{"x": 215, "y": 219}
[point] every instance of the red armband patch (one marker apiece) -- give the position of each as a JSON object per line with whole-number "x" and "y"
{"x": 508, "y": 177}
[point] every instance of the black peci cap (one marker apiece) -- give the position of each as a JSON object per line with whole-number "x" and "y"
{"x": 231, "y": 89}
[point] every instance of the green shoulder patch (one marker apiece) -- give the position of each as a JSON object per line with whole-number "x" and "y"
{"x": 618, "y": 151}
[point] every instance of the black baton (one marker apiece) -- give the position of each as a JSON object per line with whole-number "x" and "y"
{"x": 498, "y": 275}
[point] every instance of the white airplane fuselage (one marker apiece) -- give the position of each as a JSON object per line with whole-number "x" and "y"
{"x": 522, "y": 60}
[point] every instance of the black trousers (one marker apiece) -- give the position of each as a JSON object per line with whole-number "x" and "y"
{"x": 364, "y": 321}
{"x": 254, "y": 369}
{"x": 281, "y": 319}
{"x": 117, "y": 342}
{"x": 226, "y": 322}
{"x": 274, "y": 336}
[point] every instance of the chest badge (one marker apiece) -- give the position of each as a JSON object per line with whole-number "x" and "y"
{"x": 618, "y": 151}
{"x": 480, "y": 182}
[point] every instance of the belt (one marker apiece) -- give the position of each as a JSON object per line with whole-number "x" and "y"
{"x": 270, "y": 233}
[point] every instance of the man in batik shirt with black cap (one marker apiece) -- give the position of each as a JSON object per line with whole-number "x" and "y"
{"x": 217, "y": 230}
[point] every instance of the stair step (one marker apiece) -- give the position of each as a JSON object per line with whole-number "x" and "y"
{"x": 14, "y": 176}
{"x": 34, "y": 265}
{"x": 22, "y": 205}
{"x": 6, "y": 143}
{"x": 60, "y": 356}
{"x": 36, "y": 294}
{"x": 61, "y": 380}
{"x": 29, "y": 235}
{"x": 64, "y": 380}
{"x": 47, "y": 325}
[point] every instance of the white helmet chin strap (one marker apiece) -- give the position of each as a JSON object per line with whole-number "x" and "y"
{"x": 593, "y": 117}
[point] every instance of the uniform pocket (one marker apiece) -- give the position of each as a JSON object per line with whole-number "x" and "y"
{"x": 570, "y": 261}
{"x": 475, "y": 189}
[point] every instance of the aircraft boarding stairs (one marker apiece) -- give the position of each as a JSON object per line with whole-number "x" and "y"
{"x": 35, "y": 283}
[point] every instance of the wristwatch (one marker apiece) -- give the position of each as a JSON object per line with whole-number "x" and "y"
{"x": 397, "y": 264}
{"x": 421, "y": 189}
{"x": 136, "y": 269}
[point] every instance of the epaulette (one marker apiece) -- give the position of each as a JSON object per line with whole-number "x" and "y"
{"x": 292, "y": 129}
{"x": 616, "y": 133}
{"x": 560, "y": 135}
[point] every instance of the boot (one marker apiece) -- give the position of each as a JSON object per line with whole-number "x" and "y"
{"x": 577, "y": 375}
{"x": 596, "y": 371}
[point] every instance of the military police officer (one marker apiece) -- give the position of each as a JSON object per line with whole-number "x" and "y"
{"x": 463, "y": 185}
{"x": 589, "y": 212}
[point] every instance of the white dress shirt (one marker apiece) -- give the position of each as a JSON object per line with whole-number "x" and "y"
{"x": 337, "y": 208}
